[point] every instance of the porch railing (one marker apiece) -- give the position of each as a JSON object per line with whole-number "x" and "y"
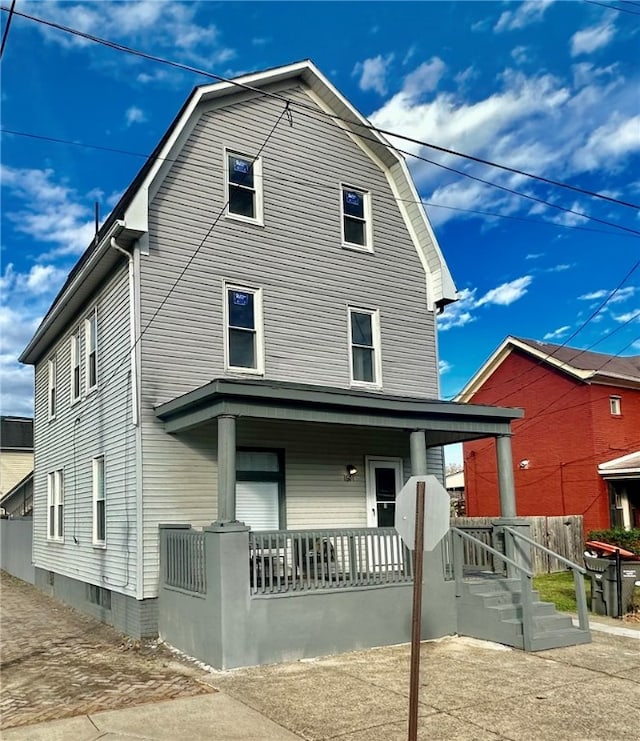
{"x": 475, "y": 557}
{"x": 184, "y": 564}
{"x": 282, "y": 561}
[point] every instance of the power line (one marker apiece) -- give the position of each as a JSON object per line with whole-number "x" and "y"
{"x": 431, "y": 204}
{"x": 198, "y": 248}
{"x": 6, "y": 28}
{"x": 613, "y": 7}
{"x": 161, "y": 60}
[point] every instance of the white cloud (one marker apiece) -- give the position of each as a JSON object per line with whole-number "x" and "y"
{"x": 534, "y": 122}
{"x": 534, "y": 256}
{"x": 520, "y": 54}
{"x": 424, "y": 78}
{"x": 557, "y": 333}
{"x": 591, "y": 39}
{"x": 460, "y": 313}
{"x": 134, "y": 115}
{"x": 629, "y": 316}
{"x": 50, "y": 212}
{"x": 609, "y": 144}
{"x": 373, "y": 73}
{"x": 444, "y": 367}
{"x": 507, "y": 293}
{"x": 175, "y": 26}
{"x": 621, "y": 295}
{"x": 559, "y": 268}
{"x": 528, "y": 12}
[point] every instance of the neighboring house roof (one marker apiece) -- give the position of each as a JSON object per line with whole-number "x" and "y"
{"x": 16, "y": 493}
{"x": 585, "y": 366}
{"x": 628, "y": 466}
{"x": 16, "y": 433}
{"x": 455, "y": 480}
{"x": 129, "y": 218}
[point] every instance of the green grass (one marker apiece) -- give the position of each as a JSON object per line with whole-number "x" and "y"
{"x": 559, "y": 589}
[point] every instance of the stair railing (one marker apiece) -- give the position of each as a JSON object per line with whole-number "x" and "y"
{"x": 526, "y": 577}
{"x": 578, "y": 573}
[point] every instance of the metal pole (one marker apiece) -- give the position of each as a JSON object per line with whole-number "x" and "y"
{"x": 416, "y": 619}
{"x": 619, "y": 583}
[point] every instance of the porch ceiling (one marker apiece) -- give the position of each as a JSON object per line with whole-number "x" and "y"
{"x": 446, "y": 421}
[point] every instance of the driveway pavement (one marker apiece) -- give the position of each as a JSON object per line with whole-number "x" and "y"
{"x": 469, "y": 689}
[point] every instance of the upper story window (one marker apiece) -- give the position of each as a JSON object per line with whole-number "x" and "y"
{"x": 55, "y": 505}
{"x": 91, "y": 344}
{"x": 76, "y": 362}
{"x": 99, "y": 502}
{"x": 364, "y": 347}
{"x": 243, "y": 329}
{"x": 244, "y": 187}
{"x": 356, "y": 218}
{"x": 615, "y": 404}
{"x": 52, "y": 399}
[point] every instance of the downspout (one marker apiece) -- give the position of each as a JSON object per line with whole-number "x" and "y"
{"x": 132, "y": 333}
{"x": 135, "y": 417}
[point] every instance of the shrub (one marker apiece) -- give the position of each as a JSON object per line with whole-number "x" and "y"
{"x": 627, "y": 539}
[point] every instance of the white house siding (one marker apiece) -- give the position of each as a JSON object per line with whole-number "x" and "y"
{"x": 98, "y": 424}
{"x": 308, "y": 279}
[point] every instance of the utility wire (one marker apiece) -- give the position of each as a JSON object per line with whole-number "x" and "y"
{"x": 151, "y": 57}
{"x": 550, "y": 355}
{"x": 6, "y": 28}
{"x": 284, "y": 113}
{"x": 299, "y": 181}
{"x": 613, "y": 7}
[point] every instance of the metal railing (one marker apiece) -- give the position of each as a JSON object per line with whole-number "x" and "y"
{"x": 578, "y": 573}
{"x": 285, "y": 561}
{"x": 184, "y": 564}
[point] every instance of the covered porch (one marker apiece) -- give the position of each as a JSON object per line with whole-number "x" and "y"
{"x": 327, "y": 572}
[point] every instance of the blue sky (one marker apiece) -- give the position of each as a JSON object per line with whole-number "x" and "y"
{"x": 551, "y": 88}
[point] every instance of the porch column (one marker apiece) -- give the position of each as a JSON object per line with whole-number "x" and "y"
{"x": 226, "y": 468}
{"x": 418, "y": 453}
{"x": 505, "y": 477}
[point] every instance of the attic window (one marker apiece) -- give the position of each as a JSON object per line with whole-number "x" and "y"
{"x": 615, "y": 405}
{"x": 356, "y": 218}
{"x": 244, "y": 187}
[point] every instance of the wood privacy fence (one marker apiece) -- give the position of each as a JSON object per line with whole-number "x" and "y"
{"x": 563, "y": 535}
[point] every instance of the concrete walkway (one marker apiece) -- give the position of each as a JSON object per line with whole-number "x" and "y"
{"x": 469, "y": 690}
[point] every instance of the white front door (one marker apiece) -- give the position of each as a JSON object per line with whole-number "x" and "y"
{"x": 384, "y": 481}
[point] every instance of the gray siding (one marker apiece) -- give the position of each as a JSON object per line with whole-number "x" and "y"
{"x": 180, "y": 475}
{"x": 99, "y": 424}
{"x": 307, "y": 278}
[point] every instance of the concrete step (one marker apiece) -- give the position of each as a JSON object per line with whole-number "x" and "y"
{"x": 507, "y": 611}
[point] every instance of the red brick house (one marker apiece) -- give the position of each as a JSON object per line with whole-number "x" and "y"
{"x": 576, "y": 450}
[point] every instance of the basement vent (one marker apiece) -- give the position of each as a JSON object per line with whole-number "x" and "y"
{"x": 51, "y": 578}
{"x": 99, "y": 596}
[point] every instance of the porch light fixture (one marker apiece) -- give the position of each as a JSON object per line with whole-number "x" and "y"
{"x": 351, "y": 472}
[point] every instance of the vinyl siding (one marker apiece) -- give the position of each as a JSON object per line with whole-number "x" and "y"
{"x": 308, "y": 278}
{"x": 98, "y": 424}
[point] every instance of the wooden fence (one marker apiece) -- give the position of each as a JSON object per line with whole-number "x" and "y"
{"x": 563, "y": 535}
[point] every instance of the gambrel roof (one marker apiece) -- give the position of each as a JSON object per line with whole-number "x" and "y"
{"x": 129, "y": 219}
{"x": 583, "y": 365}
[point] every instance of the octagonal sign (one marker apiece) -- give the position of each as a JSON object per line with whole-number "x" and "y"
{"x": 436, "y": 512}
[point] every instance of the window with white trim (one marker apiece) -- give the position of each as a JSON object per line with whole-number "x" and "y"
{"x": 615, "y": 405}
{"x": 243, "y": 329}
{"x": 99, "y": 502}
{"x": 91, "y": 345}
{"x": 55, "y": 505}
{"x": 52, "y": 400}
{"x": 364, "y": 346}
{"x": 244, "y": 186}
{"x": 76, "y": 362}
{"x": 356, "y": 218}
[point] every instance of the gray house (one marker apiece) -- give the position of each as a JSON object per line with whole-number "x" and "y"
{"x": 237, "y": 378}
